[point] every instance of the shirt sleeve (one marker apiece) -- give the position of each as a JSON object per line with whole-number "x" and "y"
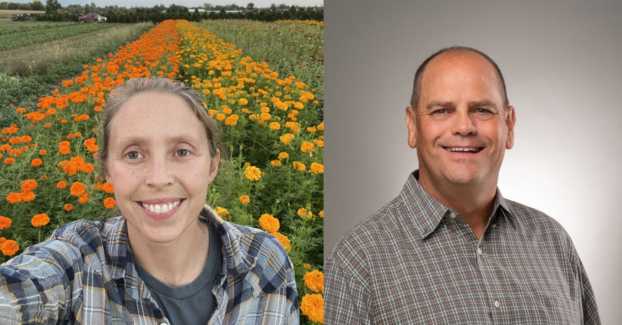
{"x": 35, "y": 287}
{"x": 590, "y": 310}
{"x": 347, "y": 299}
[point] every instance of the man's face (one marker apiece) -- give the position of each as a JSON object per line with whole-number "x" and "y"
{"x": 460, "y": 127}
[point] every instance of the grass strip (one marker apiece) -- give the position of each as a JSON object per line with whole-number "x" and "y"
{"x": 37, "y": 36}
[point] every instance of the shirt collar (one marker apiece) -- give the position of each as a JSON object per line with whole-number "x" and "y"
{"x": 120, "y": 260}
{"x": 428, "y": 212}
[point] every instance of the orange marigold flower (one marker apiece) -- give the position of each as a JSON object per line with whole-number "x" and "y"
{"x": 20, "y": 110}
{"x": 9, "y": 247}
{"x": 276, "y": 163}
{"x": 64, "y": 150}
{"x": 320, "y": 127}
{"x": 77, "y": 189}
{"x": 68, "y": 207}
{"x": 40, "y": 220}
{"x": 285, "y": 242}
{"x": 43, "y": 152}
{"x": 220, "y": 116}
{"x": 9, "y": 161}
{"x": 109, "y": 203}
{"x": 283, "y": 155}
{"x": 314, "y": 280}
{"x": 5, "y": 222}
{"x": 47, "y": 125}
{"x": 252, "y": 173}
{"x": 28, "y": 196}
{"x": 312, "y": 306}
{"x": 14, "y": 198}
{"x": 5, "y": 147}
{"x": 275, "y": 126}
{"x": 244, "y": 199}
{"x": 84, "y": 198}
{"x": 61, "y": 185}
{"x": 321, "y": 214}
{"x": 243, "y": 101}
{"x": 36, "y": 162}
{"x": 269, "y": 223}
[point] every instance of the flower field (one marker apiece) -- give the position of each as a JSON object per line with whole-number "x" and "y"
{"x": 272, "y": 138}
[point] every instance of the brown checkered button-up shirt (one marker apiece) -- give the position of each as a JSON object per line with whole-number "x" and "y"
{"x": 417, "y": 262}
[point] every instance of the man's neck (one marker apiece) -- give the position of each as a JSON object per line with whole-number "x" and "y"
{"x": 176, "y": 263}
{"x": 474, "y": 203}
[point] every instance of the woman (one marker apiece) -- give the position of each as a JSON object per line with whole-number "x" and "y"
{"x": 169, "y": 259}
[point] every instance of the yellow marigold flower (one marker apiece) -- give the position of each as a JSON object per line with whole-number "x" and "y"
{"x": 319, "y": 143}
{"x": 220, "y": 116}
{"x": 29, "y": 185}
{"x": 283, "y": 155}
{"x": 293, "y": 126}
{"x": 299, "y": 166}
{"x": 226, "y": 109}
{"x": 9, "y": 247}
{"x": 321, "y": 214}
{"x": 244, "y": 199}
{"x": 269, "y": 223}
{"x": 301, "y": 211}
{"x": 222, "y": 212}
{"x": 311, "y": 129}
{"x": 275, "y": 126}
{"x": 312, "y": 306}
{"x": 252, "y": 173}
{"x": 306, "y": 266}
{"x": 316, "y": 168}
{"x": 232, "y": 120}
{"x": 276, "y": 163}
{"x": 40, "y": 220}
{"x": 299, "y": 105}
{"x": 5, "y": 222}
{"x": 243, "y": 101}
{"x": 68, "y": 207}
{"x": 212, "y": 112}
{"x": 109, "y": 203}
{"x": 314, "y": 280}
{"x": 287, "y": 138}
{"x": 265, "y": 109}
{"x": 307, "y": 147}
{"x": 285, "y": 242}
{"x": 320, "y": 127}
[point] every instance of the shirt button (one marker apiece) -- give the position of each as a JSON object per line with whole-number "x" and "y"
{"x": 479, "y": 251}
{"x": 497, "y": 304}
{"x": 494, "y": 225}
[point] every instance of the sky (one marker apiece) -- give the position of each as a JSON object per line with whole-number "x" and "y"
{"x": 187, "y": 3}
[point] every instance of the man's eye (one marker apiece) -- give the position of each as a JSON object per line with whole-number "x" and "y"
{"x": 482, "y": 111}
{"x": 441, "y": 111}
{"x": 183, "y": 152}
{"x": 132, "y": 155}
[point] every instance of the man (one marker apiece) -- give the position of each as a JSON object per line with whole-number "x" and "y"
{"x": 450, "y": 249}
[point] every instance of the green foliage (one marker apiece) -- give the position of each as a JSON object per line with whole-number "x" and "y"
{"x": 46, "y": 33}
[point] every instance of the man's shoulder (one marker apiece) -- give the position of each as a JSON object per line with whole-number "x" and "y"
{"x": 378, "y": 229}
{"x": 535, "y": 222}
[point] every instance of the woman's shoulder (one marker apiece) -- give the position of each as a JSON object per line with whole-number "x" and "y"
{"x": 88, "y": 230}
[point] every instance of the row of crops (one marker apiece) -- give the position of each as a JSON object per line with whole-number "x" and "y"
{"x": 270, "y": 117}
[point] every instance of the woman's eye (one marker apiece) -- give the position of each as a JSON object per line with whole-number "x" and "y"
{"x": 132, "y": 155}
{"x": 183, "y": 152}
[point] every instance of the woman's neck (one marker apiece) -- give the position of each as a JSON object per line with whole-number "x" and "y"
{"x": 176, "y": 263}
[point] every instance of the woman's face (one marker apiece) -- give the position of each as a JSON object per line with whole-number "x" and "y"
{"x": 160, "y": 166}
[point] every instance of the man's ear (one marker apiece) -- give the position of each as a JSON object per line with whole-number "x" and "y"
{"x": 510, "y": 120}
{"x": 411, "y": 124}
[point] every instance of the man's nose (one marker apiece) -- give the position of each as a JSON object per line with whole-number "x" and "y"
{"x": 463, "y": 124}
{"x": 159, "y": 174}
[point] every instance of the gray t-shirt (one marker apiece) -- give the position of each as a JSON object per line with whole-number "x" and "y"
{"x": 192, "y": 303}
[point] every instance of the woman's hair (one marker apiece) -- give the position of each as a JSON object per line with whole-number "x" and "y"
{"x": 120, "y": 95}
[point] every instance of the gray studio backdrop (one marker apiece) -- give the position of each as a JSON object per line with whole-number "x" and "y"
{"x": 562, "y": 62}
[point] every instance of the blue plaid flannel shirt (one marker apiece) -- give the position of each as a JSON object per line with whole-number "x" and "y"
{"x": 84, "y": 274}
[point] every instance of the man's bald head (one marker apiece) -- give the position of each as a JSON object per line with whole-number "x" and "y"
{"x": 414, "y": 101}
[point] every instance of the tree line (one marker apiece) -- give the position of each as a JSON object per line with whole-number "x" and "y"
{"x": 54, "y": 11}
